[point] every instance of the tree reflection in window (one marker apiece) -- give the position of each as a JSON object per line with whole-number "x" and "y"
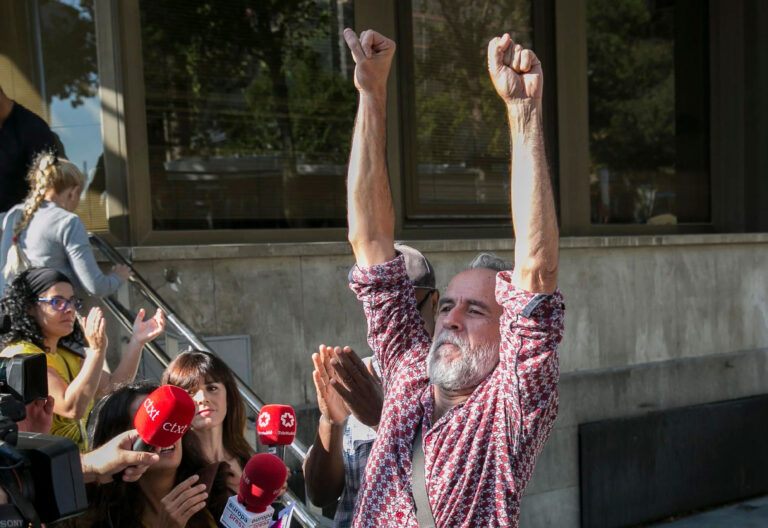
{"x": 250, "y": 105}
{"x": 647, "y": 111}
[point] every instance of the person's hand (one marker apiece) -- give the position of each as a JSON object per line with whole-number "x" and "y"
{"x": 146, "y": 331}
{"x": 123, "y": 271}
{"x": 328, "y": 400}
{"x": 372, "y": 53}
{"x": 39, "y": 417}
{"x": 182, "y": 502}
{"x": 115, "y": 456}
{"x": 354, "y": 382}
{"x": 515, "y": 71}
{"x": 96, "y": 330}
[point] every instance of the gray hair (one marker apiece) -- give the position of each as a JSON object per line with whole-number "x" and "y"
{"x": 491, "y": 262}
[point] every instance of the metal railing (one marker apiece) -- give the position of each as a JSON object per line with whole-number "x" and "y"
{"x": 301, "y": 514}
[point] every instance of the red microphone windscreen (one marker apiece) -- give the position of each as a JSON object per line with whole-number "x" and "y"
{"x": 263, "y": 477}
{"x": 276, "y": 425}
{"x": 164, "y": 416}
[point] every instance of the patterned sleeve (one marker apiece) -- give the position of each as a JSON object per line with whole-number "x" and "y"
{"x": 531, "y": 330}
{"x": 394, "y": 324}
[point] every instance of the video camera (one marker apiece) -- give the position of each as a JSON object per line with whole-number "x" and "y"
{"x": 41, "y": 474}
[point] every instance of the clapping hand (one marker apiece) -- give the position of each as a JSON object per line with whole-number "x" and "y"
{"x": 146, "y": 331}
{"x": 358, "y": 386}
{"x": 95, "y": 331}
{"x": 329, "y": 401}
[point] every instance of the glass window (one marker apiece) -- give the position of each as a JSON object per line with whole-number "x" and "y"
{"x": 460, "y": 137}
{"x": 648, "y": 111}
{"x": 51, "y": 69}
{"x": 250, "y": 107}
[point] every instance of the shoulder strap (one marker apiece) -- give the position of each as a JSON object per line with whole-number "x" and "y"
{"x": 419, "y": 484}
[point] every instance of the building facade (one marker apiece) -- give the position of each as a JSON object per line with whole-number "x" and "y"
{"x": 215, "y": 136}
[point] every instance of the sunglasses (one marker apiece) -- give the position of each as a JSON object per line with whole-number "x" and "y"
{"x": 60, "y": 304}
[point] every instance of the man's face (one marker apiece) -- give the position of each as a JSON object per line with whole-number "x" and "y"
{"x": 466, "y": 343}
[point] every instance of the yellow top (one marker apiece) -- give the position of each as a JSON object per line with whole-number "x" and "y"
{"x": 67, "y": 364}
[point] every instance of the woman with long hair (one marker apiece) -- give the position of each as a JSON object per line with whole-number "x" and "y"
{"x": 44, "y": 231}
{"x": 219, "y": 424}
{"x": 170, "y": 493}
{"x": 40, "y": 310}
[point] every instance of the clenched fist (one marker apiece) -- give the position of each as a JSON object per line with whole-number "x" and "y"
{"x": 372, "y": 53}
{"x": 515, "y": 71}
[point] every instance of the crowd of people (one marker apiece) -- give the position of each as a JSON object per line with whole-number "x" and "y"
{"x": 440, "y": 427}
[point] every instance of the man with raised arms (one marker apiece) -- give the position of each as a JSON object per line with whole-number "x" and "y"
{"x": 466, "y": 414}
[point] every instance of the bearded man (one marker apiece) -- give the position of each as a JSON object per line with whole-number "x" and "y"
{"x": 466, "y": 415}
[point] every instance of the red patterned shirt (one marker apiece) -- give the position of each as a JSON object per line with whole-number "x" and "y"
{"x": 480, "y": 455}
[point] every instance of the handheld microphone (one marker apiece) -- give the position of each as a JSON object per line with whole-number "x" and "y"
{"x": 276, "y": 427}
{"x": 163, "y": 417}
{"x": 263, "y": 477}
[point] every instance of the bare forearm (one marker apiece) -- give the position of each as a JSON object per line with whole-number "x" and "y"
{"x": 369, "y": 199}
{"x": 83, "y": 388}
{"x": 126, "y": 370}
{"x": 533, "y": 206}
{"x": 324, "y": 466}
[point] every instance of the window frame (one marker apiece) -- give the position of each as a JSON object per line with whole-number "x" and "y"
{"x": 573, "y": 134}
{"x": 562, "y": 45}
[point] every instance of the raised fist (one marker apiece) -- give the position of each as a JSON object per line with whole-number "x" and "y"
{"x": 372, "y": 53}
{"x": 515, "y": 71}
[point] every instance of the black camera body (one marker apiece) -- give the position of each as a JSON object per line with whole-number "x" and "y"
{"x": 41, "y": 474}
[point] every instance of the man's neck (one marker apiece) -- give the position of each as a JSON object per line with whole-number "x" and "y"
{"x": 6, "y": 106}
{"x": 446, "y": 400}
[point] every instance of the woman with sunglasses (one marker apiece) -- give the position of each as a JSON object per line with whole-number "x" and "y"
{"x": 39, "y": 310}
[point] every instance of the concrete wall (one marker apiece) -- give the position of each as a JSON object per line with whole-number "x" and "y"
{"x": 651, "y": 323}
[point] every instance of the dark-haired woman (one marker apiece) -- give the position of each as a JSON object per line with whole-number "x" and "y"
{"x": 169, "y": 494}
{"x": 41, "y": 308}
{"x": 220, "y": 421}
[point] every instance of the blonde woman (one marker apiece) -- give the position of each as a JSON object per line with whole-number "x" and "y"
{"x": 44, "y": 231}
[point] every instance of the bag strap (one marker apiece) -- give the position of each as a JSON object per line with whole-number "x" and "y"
{"x": 419, "y": 484}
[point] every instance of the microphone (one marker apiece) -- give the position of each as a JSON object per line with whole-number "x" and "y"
{"x": 163, "y": 417}
{"x": 276, "y": 427}
{"x": 263, "y": 477}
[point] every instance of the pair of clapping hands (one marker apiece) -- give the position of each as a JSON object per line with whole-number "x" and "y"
{"x": 144, "y": 331}
{"x": 345, "y": 385}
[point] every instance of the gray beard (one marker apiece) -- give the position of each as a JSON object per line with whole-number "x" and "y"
{"x": 466, "y": 371}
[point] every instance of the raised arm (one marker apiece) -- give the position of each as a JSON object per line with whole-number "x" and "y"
{"x": 71, "y": 400}
{"x": 324, "y": 465}
{"x": 369, "y": 200}
{"x": 80, "y": 255}
{"x": 517, "y": 76}
{"x": 143, "y": 332}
